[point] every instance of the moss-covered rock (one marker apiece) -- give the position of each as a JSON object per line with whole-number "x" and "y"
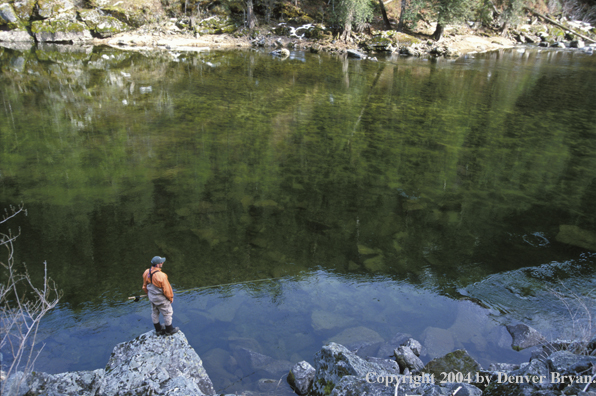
{"x": 282, "y": 29}
{"x": 379, "y": 43}
{"x": 134, "y": 13}
{"x": 457, "y": 361}
{"x": 60, "y": 31}
{"x": 291, "y": 13}
{"x": 24, "y": 10}
{"x": 129, "y": 18}
{"x": 216, "y": 25}
{"x": 51, "y": 8}
{"x": 102, "y": 25}
{"x": 316, "y": 31}
{"x": 8, "y": 16}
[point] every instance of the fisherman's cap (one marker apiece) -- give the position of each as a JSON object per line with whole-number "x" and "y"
{"x": 158, "y": 260}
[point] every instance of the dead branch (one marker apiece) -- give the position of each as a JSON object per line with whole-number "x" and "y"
{"x": 557, "y": 24}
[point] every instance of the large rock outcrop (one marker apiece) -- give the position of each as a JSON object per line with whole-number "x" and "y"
{"x": 147, "y": 365}
{"x": 340, "y": 372}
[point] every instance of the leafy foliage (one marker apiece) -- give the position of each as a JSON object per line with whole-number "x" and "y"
{"x": 355, "y": 12}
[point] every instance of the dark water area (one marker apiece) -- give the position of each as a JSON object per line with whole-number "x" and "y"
{"x": 437, "y": 198}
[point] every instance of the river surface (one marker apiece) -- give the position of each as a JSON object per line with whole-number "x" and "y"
{"x": 334, "y": 199}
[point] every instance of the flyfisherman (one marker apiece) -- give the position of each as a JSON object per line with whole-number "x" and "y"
{"x": 161, "y": 296}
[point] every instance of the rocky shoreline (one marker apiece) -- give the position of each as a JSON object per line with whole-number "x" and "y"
{"x": 168, "y": 365}
{"x": 123, "y": 26}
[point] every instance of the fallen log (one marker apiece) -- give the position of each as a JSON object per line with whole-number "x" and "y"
{"x": 559, "y": 25}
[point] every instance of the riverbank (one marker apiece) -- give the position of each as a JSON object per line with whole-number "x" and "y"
{"x": 166, "y": 36}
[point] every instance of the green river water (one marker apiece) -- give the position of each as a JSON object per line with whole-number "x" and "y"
{"x": 437, "y": 198}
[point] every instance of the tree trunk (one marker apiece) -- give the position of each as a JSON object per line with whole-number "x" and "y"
{"x": 438, "y": 31}
{"x": 585, "y": 38}
{"x": 345, "y": 36}
{"x": 402, "y": 13}
{"x": 250, "y": 15}
{"x": 504, "y": 29}
{"x": 384, "y": 13}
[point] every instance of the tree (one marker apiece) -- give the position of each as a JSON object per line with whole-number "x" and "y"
{"x": 250, "y": 15}
{"x": 410, "y": 13}
{"x": 22, "y": 306}
{"x": 451, "y": 11}
{"x": 512, "y": 10}
{"x": 353, "y": 13}
{"x": 384, "y": 14}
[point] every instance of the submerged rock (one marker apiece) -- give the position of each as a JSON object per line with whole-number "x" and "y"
{"x": 438, "y": 341}
{"x": 573, "y": 235}
{"x": 524, "y": 336}
{"x": 282, "y": 53}
{"x": 251, "y": 362}
{"x": 355, "y": 54}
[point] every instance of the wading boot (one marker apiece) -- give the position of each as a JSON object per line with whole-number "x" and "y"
{"x": 159, "y": 329}
{"x": 171, "y": 330}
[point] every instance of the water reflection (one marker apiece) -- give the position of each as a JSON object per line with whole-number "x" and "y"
{"x": 412, "y": 183}
{"x": 287, "y": 320}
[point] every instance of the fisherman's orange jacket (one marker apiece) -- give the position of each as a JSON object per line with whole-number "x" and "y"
{"x": 158, "y": 279}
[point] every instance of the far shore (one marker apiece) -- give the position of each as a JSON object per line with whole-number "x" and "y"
{"x": 141, "y": 40}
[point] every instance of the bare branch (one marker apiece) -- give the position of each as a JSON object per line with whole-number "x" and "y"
{"x": 22, "y": 306}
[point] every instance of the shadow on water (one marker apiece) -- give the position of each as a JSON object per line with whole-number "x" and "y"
{"x": 441, "y": 199}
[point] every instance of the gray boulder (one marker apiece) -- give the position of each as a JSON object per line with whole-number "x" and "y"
{"x": 414, "y": 345}
{"x": 282, "y": 53}
{"x": 355, "y": 54}
{"x": 503, "y": 367}
{"x": 149, "y": 364}
{"x": 15, "y": 36}
{"x": 357, "y": 386}
{"x": 451, "y": 53}
{"x": 334, "y": 361}
{"x": 567, "y": 363}
{"x": 300, "y": 377}
{"x": 157, "y": 365}
{"x": 73, "y": 383}
{"x": 63, "y": 29}
{"x": 463, "y": 389}
{"x": 51, "y": 8}
{"x": 409, "y": 51}
{"x": 102, "y": 25}
{"x": 524, "y": 336}
{"x": 408, "y": 359}
{"x": 7, "y": 15}
{"x": 24, "y": 8}
{"x": 388, "y": 364}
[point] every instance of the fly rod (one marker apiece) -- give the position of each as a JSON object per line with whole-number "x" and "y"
{"x": 137, "y": 298}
